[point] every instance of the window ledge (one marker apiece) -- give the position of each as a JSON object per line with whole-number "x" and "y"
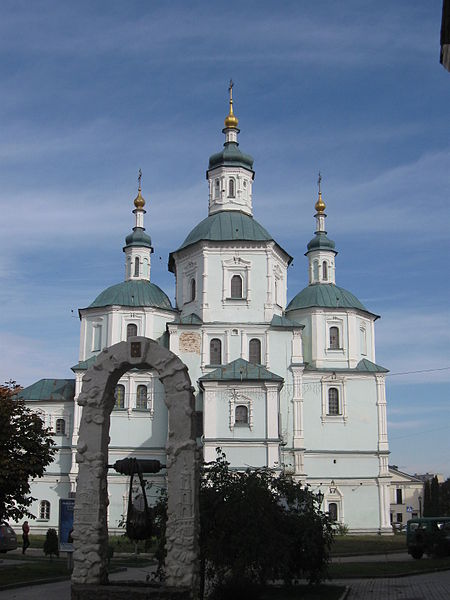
{"x": 235, "y": 299}
{"x": 242, "y": 425}
{"x": 124, "y": 409}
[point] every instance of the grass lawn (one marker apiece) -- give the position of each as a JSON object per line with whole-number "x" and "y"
{"x": 387, "y": 569}
{"x": 35, "y": 568}
{"x": 368, "y": 544}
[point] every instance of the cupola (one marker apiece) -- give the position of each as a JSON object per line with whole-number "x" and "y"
{"x": 138, "y": 245}
{"x": 230, "y": 172}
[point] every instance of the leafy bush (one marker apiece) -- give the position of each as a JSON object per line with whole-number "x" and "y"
{"x": 51, "y": 543}
{"x": 256, "y": 526}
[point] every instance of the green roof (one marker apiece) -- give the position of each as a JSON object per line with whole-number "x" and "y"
{"x": 84, "y": 365}
{"x": 321, "y": 242}
{"x": 231, "y": 156}
{"x": 138, "y": 237}
{"x": 241, "y": 370}
{"x": 364, "y": 366}
{"x": 191, "y": 319}
{"x": 138, "y": 292}
{"x": 49, "y": 389}
{"x": 278, "y": 321}
{"x": 326, "y": 295}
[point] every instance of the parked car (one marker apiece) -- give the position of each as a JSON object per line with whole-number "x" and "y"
{"x": 8, "y": 538}
{"x": 429, "y": 535}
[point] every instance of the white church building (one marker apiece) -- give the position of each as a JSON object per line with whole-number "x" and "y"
{"x": 293, "y": 387}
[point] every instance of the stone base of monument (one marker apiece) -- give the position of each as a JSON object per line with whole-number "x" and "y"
{"x": 127, "y": 590}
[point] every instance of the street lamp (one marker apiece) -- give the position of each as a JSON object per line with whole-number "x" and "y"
{"x": 320, "y": 496}
{"x": 420, "y": 506}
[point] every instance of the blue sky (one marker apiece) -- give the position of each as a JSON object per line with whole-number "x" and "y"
{"x": 93, "y": 91}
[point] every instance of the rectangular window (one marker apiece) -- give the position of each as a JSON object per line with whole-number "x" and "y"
{"x": 399, "y": 517}
{"x": 96, "y": 338}
{"x": 399, "y": 496}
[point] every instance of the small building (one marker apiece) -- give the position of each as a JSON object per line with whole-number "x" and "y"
{"x": 406, "y": 497}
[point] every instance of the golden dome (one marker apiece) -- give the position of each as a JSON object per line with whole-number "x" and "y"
{"x": 320, "y": 204}
{"x": 139, "y": 201}
{"x": 231, "y": 121}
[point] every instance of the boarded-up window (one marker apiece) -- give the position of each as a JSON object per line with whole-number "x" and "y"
{"x": 131, "y": 330}
{"x": 333, "y": 401}
{"x": 254, "y": 351}
{"x": 334, "y": 338}
{"x": 236, "y": 286}
{"x": 241, "y": 415}
{"x": 333, "y": 511}
{"x": 119, "y": 395}
{"x": 215, "y": 352}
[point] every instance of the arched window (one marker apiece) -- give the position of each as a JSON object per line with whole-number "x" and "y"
{"x": 363, "y": 335}
{"x": 60, "y": 427}
{"x": 324, "y": 271}
{"x": 334, "y": 338}
{"x": 333, "y": 401}
{"x": 141, "y": 397}
{"x": 254, "y": 351}
{"x": 333, "y": 511}
{"x": 44, "y": 510}
{"x": 131, "y": 330}
{"x": 241, "y": 415}
{"x": 215, "y": 352}
{"x": 145, "y": 271}
{"x": 236, "y": 286}
{"x": 192, "y": 289}
{"x": 231, "y": 188}
{"x": 136, "y": 267}
{"x": 217, "y": 188}
{"x": 96, "y": 337}
{"x": 129, "y": 267}
{"x": 119, "y": 395}
{"x": 316, "y": 270}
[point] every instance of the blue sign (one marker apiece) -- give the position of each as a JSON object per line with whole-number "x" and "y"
{"x": 409, "y": 509}
{"x": 66, "y": 524}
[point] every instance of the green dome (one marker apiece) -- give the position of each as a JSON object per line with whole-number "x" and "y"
{"x": 231, "y": 156}
{"x": 227, "y": 225}
{"x": 326, "y": 295}
{"x": 133, "y": 293}
{"x": 320, "y": 242}
{"x": 138, "y": 237}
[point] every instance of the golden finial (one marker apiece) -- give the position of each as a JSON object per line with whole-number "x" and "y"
{"x": 139, "y": 201}
{"x": 231, "y": 121}
{"x": 320, "y": 204}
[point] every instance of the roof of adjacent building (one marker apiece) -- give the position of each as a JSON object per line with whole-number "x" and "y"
{"x": 84, "y": 365}
{"x": 136, "y": 293}
{"x": 284, "y": 322}
{"x": 326, "y": 295}
{"x": 191, "y": 319}
{"x": 364, "y": 366}
{"x": 241, "y": 370}
{"x": 49, "y": 389}
{"x": 231, "y": 156}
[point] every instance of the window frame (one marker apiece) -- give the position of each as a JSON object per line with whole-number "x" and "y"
{"x": 139, "y": 388}
{"x": 129, "y": 325}
{"x": 211, "y": 362}
{"x": 44, "y": 510}
{"x": 255, "y": 339}
{"x": 338, "y": 382}
{"x": 232, "y": 187}
{"x": 332, "y": 399}
{"x": 241, "y": 422}
{"x": 233, "y": 296}
{"x": 137, "y": 267}
{"x": 116, "y": 389}
{"x": 58, "y": 421}
{"x": 334, "y": 338}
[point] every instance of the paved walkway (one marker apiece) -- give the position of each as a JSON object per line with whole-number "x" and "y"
{"x": 432, "y": 586}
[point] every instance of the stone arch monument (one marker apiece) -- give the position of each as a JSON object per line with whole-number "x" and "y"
{"x": 90, "y": 518}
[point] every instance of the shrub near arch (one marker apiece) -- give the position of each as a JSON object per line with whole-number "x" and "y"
{"x": 90, "y": 517}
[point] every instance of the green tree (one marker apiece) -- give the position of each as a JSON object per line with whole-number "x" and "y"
{"x": 445, "y": 498}
{"x": 435, "y": 498}
{"x": 427, "y": 509}
{"x": 257, "y": 526}
{"x": 26, "y": 448}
